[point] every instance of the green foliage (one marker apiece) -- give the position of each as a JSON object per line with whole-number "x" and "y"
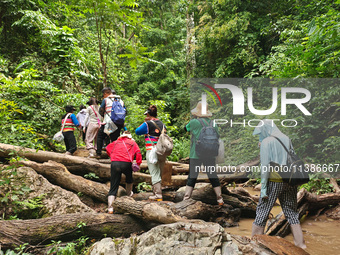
{"x": 17, "y": 251}
{"x": 91, "y": 176}
{"x": 181, "y": 148}
{"x": 13, "y": 206}
{"x": 32, "y": 109}
{"x": 318, "y": 185}
{"x": 79, "y": 246}
{"x": 143, "y": 187}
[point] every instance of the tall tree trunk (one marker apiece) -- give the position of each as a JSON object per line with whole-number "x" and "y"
{"x": 190, "y": 45}
{"x": 100, "y": 45}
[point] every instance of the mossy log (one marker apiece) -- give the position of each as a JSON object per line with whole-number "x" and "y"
{"x": 66, "y": 228}
{"x": 169, "y": 212}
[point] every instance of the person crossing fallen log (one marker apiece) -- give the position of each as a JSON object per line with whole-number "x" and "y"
{"x": 152, "y": 128}
{"x": 203, "y": 151}
{"x": 122, "y": 152}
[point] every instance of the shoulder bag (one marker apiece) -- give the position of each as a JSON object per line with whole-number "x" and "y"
{"x": 58, "y": 137}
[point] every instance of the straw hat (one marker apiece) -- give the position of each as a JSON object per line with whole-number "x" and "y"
{"x": 197, "y": 111}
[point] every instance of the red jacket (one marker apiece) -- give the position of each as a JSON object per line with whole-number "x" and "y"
{"x": 118, "y": 152}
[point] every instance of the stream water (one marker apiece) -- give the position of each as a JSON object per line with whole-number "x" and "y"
{"x": 322, "y": 235}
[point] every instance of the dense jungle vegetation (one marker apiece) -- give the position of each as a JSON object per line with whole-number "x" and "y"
{"x": 54, "y": 53}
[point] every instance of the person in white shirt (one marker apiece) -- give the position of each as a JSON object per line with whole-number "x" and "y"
{"x": 95, "y": 120}
{"x": 105, "y": 109}
{"x": 81, "y": 116}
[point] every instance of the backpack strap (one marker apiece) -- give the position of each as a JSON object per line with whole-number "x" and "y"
{"x": 282, "y": 143}
{"x": 158, "y": 126}
{"x": 128, "y": 152}
{"x": 202, "y": 122}
{"x": 98, "y": 120}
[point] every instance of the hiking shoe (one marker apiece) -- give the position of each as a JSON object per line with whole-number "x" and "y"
{"x": 68, "y": 153}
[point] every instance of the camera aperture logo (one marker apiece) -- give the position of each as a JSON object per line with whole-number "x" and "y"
{"x": 238, "y": 102}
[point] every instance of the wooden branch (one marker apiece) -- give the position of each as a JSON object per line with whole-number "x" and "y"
{"x": 279, "y": 245}
{"x": 335, "y": 185}
{"x": 147, "y": 211}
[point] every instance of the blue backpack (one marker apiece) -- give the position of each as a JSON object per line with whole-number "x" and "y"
{"x": 118, "y": 112}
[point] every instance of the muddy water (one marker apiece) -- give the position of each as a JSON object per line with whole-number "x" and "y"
{"x": 322, "y": 235}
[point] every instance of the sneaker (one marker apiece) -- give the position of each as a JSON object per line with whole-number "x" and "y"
{"x": 156, "y": 198}
{"x": 68, "y": 153}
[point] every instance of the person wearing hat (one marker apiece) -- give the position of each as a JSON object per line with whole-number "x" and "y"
{"x": 95, "y": 120}
{"x": 122, "y": 152}
{"x": 105, "y": 109}
{"x": 68, "y": 132}
{"x": 195, "y": 128}
{"x": 152, "y": 128}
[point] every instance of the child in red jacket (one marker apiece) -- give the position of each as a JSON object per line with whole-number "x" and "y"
{"x": 122, "y": 152}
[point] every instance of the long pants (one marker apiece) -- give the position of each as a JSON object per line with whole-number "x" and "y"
{"x": 101, "y": 137}
{"x": 155, "y": 169}
{"x": 287, "y": 196}
{"x": 91, "y": 136}
{"x": 117, "y": 169}
{"x": 70, "y": 141}
{"x": 193, "y": 173}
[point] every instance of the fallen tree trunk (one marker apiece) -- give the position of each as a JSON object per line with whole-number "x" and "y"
{"x": 169, "y": 212}
{"x": 72, "y": 163}
{"x": 101, "y": 170}
{"x": 147, "y": 211}
{"x": 66, "y": 228}
{"x": 207, "y": 195}
{"x": 81, "y": 165}
{"x": 58, "y": 174}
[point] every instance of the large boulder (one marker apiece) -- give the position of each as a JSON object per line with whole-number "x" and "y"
{"x": 194, "y": 238}
{"x": 54, "y": 200}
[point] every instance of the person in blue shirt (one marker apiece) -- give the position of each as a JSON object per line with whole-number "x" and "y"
{"x": 152, "y": 128}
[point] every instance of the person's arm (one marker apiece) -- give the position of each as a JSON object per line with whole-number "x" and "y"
{"x": 102, "y": 108}
{"x": 142, "y": 129}
{"x": 265, "y": 170}
{"x": 137, "y": 153}
{"x": 86, "y": 119}
{"x": 187, "y": 127}
{"x": 74, "y": 120}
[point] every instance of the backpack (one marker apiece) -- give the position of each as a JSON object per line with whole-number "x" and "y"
{"x": 118, "y": 112}
{"x": 295, "y": 172}
{"x": 165, "y": 143}
{"x": 207, "y": 144}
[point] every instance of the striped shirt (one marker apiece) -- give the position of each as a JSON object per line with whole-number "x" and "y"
{"x": 70, "y": 124}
